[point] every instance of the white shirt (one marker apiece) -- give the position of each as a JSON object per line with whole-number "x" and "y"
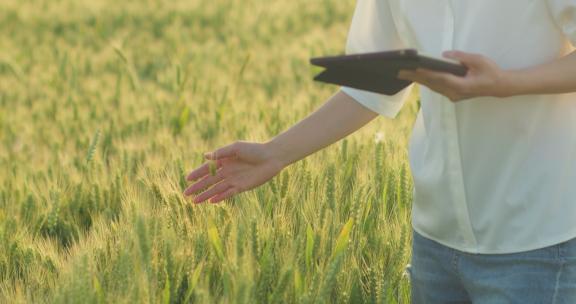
{"x": 491, "y": 175}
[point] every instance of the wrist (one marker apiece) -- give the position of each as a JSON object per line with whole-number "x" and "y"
{"x": 510, "y": 84}
{"x": 278, "y": 153}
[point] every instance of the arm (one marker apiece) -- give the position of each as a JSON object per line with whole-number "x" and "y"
{"x": 242, "y": 165}
{"x": 485, "y": 78}
{"x": 558, "y": 76}
{"x": 337, "y": 118}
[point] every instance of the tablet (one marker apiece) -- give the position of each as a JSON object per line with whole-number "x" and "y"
{"x": 376, "y": 72}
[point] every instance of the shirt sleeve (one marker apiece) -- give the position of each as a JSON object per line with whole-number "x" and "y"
{"x": 564, "y": 14}
{"x": 372, "y": 30}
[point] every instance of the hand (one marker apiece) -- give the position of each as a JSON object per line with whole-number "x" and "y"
{"x": 484, "y": 78}
{"x": 240, "y": 166}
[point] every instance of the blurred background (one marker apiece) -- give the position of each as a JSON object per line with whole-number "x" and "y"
{"x": 106, "y": 105}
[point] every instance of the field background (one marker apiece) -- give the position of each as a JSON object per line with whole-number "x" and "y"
{"x": 106, "y": 105}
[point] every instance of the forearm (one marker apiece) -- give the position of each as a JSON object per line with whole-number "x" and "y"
{"x": 558, "y": 76}
{"x": 336, "y": 119}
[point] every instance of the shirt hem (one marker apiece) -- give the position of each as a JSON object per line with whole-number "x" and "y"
{"x": 556, "y": 241}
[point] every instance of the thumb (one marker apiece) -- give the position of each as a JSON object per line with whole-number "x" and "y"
{"x": 468, "y": 59}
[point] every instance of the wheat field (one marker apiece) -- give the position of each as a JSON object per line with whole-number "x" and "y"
{"x": 105, "y": 106}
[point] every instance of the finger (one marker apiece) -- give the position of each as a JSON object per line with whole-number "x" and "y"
{"x": 468, "y": 59}
{"x": 405, "y": 74}
{"x": 218, "y": 188}
{"x": 198, "y": 172}
{"x": 429, "y": 79}
{"x": 462, "y": 87}
{"x": 447, "y": 80}
{"x": 203, "y": 170}
{"x": 230, "y": 150}
{"x": 203, "y": 183}
{"x": 433, "y": 85}
{"x": 454, "y": 98}
{"x": 415, "y": 77}
{"x": 227, "y": 194}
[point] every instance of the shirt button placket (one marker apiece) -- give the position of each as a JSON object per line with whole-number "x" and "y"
{"x": 454, "y": 160}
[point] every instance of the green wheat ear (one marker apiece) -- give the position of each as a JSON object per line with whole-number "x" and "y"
{"x": 212, "y": 167}
{"x": 93, "y": 145}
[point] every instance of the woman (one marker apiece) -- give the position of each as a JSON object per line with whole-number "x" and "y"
{"x": 493, "y": 153}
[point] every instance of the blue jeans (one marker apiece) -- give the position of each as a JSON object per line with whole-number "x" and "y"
{"x": 440, "y": 274}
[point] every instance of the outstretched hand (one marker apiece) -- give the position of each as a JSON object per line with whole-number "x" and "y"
{"x": 240, "y": 166}
{"x": 484, "y": 78}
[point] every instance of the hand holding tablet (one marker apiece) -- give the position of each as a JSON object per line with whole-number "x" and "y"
{"x": 377, "y": 72}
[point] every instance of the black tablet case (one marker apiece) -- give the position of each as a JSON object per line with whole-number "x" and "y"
{"x": 376, "y": 72}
